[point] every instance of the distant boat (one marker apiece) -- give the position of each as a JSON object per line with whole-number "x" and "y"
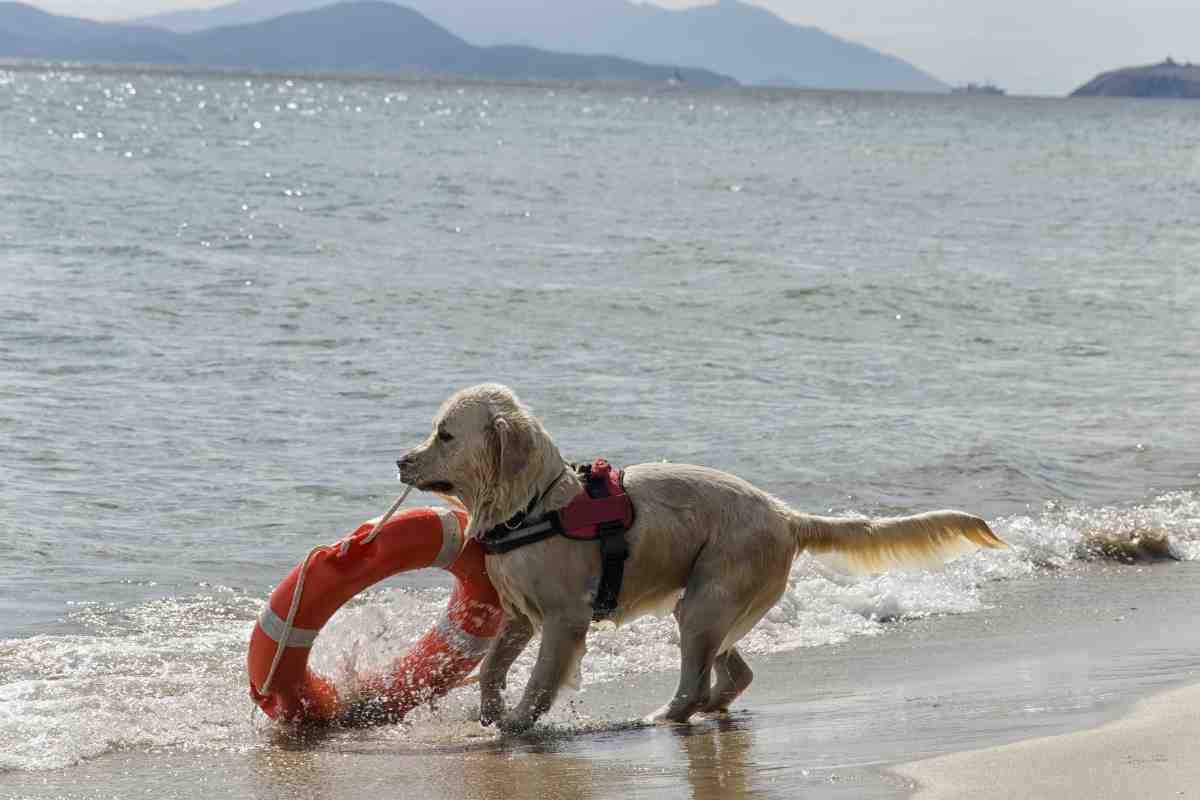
{"x": 978, "y": 88}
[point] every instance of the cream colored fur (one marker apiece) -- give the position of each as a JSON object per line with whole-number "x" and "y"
{"x": 708, "y": 543}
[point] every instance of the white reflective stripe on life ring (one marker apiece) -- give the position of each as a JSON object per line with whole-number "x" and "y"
{"x": 272, "y": 625}
{"x": 465, "y": 644}
{"x": 452, "y": 539}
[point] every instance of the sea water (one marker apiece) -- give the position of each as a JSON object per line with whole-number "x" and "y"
{"x": 228, "y": 303}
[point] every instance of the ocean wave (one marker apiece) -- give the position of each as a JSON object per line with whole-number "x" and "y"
{"x": 1166, "y": 526}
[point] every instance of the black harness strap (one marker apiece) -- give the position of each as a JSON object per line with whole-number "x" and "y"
{"x": 499, "y": 538}
{"x": 544, "y": 529}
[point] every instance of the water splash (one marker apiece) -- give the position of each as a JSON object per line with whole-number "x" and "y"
{"x": 165, "y": 674}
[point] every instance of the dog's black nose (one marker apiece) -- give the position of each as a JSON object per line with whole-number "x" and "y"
{"x": 404, "y": 461}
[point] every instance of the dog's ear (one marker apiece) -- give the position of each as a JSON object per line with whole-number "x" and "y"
{"x": 514, "y": 446}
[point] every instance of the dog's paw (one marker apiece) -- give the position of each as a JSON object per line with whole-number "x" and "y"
{"x": 491, "y": 711}
{"x": 713, "y": 713}
{"x": 662, "y": 717}
{"x": 516, "y": 723}
{"x": 655, "y": 717}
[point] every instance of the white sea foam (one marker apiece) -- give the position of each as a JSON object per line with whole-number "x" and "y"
{"x": 166, "y": 674}
{"x": 170, "y": 675}
{"x": 1059, "y": 534}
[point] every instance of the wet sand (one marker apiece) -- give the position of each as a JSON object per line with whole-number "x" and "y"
{"x": 1149, "y": 753}
{"x": 1058, "y": 653}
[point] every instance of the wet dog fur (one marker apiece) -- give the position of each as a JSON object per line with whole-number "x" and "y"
{"x": 709, "y": 544}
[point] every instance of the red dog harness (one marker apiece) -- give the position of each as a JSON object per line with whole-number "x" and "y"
{"x": 602, "y": 513}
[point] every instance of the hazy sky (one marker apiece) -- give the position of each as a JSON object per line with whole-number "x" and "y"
{"x": 1027, "y": 46}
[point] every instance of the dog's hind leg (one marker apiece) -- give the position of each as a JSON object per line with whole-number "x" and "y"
{"x": 733, "y": 677}
{"x": 704, "y": 620}
{"x": 717, "y": 610}
{"x": 514, "y": 635}
{"x": 563, "y": 644}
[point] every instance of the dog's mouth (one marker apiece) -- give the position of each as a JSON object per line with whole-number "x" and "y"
{"x": 410, "y": 475}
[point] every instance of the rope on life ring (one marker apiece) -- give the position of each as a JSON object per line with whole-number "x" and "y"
{"x": 284, "y": 687}
{"x": 298, "y": 592}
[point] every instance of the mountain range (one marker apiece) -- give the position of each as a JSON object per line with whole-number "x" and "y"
{"x": 733, "y": 38}
{"x": 506, "y": 39}
{"x": 363, "y": 36}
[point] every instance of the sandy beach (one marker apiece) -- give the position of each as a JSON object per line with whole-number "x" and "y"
{"x": 1149, "y": 753}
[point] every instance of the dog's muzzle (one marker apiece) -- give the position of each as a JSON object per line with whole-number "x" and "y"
{"x": 407, "y": 476}
{"x": 404, "y": 466}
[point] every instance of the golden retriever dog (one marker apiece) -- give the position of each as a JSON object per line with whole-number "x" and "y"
{"x": 707, "y": 543}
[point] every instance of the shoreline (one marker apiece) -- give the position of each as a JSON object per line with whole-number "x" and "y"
{"x": 338, "y": 76}
{"x": 1047, "y": 657}
{"x": 1146, "y": 752}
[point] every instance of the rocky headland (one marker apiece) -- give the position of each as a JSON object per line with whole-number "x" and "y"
{"x": 1168, "y": 79}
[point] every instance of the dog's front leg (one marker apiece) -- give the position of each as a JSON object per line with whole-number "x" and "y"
{"x": 562, "y": 646}
{"x": 515, "y": 633}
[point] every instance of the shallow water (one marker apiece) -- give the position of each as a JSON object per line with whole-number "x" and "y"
{"x": 1043, "y": 656}
{"x": 227, "y": 304}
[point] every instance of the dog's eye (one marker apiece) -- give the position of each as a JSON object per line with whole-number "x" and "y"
{"x": 444, "y": 435}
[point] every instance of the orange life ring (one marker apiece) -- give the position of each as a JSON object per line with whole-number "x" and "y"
{"x": 441, "y": 658}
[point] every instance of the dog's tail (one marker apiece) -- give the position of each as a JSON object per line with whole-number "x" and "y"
{"x": 874, "y": 545}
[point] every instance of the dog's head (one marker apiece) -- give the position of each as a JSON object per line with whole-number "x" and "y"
{"x": 484, "y": 446}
